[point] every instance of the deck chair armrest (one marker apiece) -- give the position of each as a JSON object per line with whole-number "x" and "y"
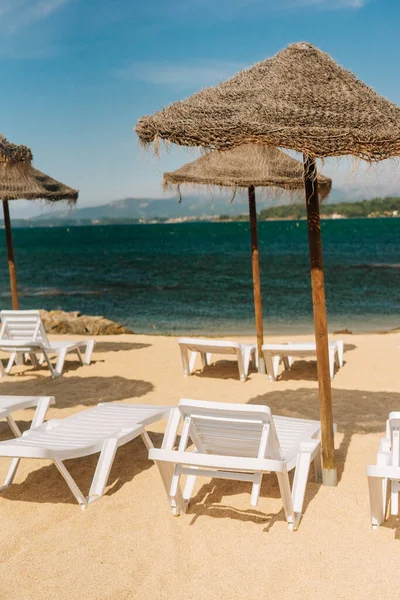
{"x": 383, "y": 471}
{"x": 384, "y": 446}
{"x": 311, "y": 447}
{"x": 230, "y": 463}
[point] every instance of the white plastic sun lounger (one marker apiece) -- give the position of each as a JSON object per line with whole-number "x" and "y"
{"x": 387, "y": 468}
{"x": 244, "y": 353}
{"x": 240, "y": 442}
{"x": 10, "y": 404}
{"x": 22, "y": 332}
{"x": 103, "y": 428}
{"x": 274, "y": 354}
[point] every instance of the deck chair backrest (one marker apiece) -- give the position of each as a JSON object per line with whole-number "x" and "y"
{"x": 22, "y": 325}
{"x": 393, "y": 433}
{"x": 229, "y": 429}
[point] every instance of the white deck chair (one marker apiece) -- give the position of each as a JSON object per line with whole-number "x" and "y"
{"x": 387, "y": 468}
{"x": 274, "y": 354}
{"x": 243, "y": 352}
{"x": 10, "y": 404}
{"x": 241, "y": 442}
{"x": 22, "y": 332}
{"x": 103, "y": 428}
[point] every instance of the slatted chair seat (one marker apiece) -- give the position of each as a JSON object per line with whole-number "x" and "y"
{"x": 190, "y": 347}
{"x": 240, "y": 442}
{"x": 274, "y": 354}
{"x": 103, "y": 428}
{"x": 22, "y": 332}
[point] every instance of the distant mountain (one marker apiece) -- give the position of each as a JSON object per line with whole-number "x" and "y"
{"x": 166, "y": 208}
{"x": 147, "y": 209}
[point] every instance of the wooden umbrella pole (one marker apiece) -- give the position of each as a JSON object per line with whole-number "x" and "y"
{"x": 329, "y": 473}
{"x": 256, "y": 277}
{"x": 10, "y": 253}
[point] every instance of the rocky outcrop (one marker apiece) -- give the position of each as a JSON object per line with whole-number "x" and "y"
{"x": 59, "y": 321}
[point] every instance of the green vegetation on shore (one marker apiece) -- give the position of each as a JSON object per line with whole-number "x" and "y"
{"x": 377, "y": 207}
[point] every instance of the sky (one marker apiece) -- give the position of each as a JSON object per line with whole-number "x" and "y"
{"x": 78, "y": 74}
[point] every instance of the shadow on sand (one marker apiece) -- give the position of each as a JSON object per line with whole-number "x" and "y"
{"x": 355, "y": 412}
{"x": 46, "y": 484}
{"x": 78, "y": 391}
{"x": 305, "y": 370}
{"x": 118, "y": 346}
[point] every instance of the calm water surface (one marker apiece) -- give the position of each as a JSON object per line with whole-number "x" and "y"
{"x": 196, "y": 277}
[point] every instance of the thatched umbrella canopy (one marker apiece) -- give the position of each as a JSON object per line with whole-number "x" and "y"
{"x": 301, "y": 100}
{"x": 248, "y": 166}
{"x": 19, "y": 180}
{"x": 241, "y": 167}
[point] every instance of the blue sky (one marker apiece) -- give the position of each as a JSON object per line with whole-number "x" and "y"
{"x": 77, "y": 74}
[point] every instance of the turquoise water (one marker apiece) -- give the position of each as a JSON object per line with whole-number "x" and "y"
{"x": 196, "y": 277}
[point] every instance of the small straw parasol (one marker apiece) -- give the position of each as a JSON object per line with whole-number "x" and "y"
{"x": 19, "y": 180}
{"x": 248, "y": 166}
{"x": 302, "y": 100}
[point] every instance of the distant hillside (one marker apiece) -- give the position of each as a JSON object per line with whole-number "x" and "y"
{"x": 142, "y": 210}
{"x": 378, "y": 207}
{"x": 147, "y": 209}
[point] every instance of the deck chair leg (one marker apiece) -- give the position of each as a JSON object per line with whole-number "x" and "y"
{"x": 188, "y": 489}
{"x": 3, "y": 371}
{"x": 241, "y": 365}
{"x": 167, "y": 472}
{"x": 340, "y": 351}
{"x": 79, "y": 355}
{"x": 318, "y": 467}
{"x": 275, "y": 362}
{"x": 11, "y": 361}
{"x": 88, "y": 353}
{"x": 255, "y": 490}
{"x": 269, "y": 365}
{"x": 60, "y": 361}
{"x": 300, "y": 483}
{"x": 34, "y": 360}
{"x": 71, "y": 483}
{"x": 9, "y": 478}
{"x": 394, "y": 498}
{"x": 40, "y": 412}
{"x": 192, "y": 362}
{"x": 20, "y": 358}
{"x": 246, "y": 360}
{"x": 15, "y": 461}
{"x": 377, "y": 500}
{"x": 287, "y": 362}
{"x": 39, "y": 417}
{"x": 103, "y": 469}
{"x": 185, "y": 361}
{"x": 331, "y": 363}
{"x": 204, "y": 361}
{"x": 146, "y": 440}
{"x": 45, "y": 358}
{"x": 284, "y": 487}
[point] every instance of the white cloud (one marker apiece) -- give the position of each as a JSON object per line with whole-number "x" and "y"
{"x": 227, "y": 7}
{"x": 16, "y": 14}
{"x": 198, "y": 73}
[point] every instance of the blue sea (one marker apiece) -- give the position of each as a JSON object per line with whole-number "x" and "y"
{"x": 195, "y": 278}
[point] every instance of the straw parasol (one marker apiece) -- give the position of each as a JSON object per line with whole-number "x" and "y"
{"x": 301, "y": 100}
{"x": 19, "y": 180}
{"x": 248, "y": 166}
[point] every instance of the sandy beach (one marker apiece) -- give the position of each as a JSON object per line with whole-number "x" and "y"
{"x": 128, "y": 545}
